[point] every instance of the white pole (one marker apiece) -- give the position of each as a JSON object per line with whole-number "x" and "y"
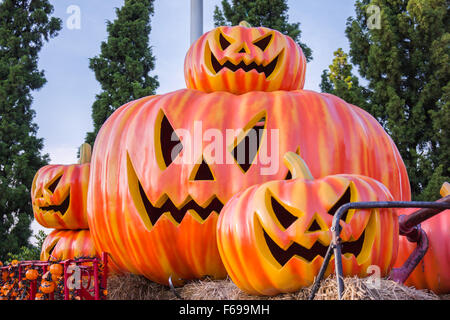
{"x": 196, "y": 19}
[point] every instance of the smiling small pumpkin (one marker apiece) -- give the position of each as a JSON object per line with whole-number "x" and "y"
{"x": 272, "y": 237}
{"x": 59, "y": 193}
{"x": 241, "y": 59}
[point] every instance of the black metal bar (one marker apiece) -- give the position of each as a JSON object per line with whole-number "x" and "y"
{"x": 336, "y": 240}
{"x": 423, "y": 214}
{"x": 322, "y": 270}
{"x": 400, "y": 275}
{"x": 338, "y": 262}
{"x": 172, "y": 288}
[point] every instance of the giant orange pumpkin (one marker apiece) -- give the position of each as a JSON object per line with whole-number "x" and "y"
{"x": 241, "y": 59}
{"x": 68, "y": 244}
{"x": 59, "y": 193}
{"x": 433, "y": 272}
{"x": 272, "y": 237}
{"x": 156, "y": 214}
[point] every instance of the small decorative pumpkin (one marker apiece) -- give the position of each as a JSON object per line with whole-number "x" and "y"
{"x": 32, "y": 274}
{"x": 433, "y": 272}
{"x": 272, "y": 237}
{"x": 59, "y": 193}
{"x": 67, "y": 244}
{"x": 56, "y": 269}
{"x": 39, "y": 296}
{"x": 241, "y": 59}
{"x": 47, "y": 286}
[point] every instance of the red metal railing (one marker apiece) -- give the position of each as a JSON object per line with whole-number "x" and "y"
{"x": 82, "y": 279}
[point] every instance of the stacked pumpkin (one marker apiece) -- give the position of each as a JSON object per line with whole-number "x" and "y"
{"x": 58, "y": 197}
{"x": 170, "y": 207}
{"x": 156, "y": 196}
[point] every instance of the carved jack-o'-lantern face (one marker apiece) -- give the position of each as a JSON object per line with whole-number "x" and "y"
{"x": 272, "y": 237}
{"x": 240, "y": 59}
{"x": 59, "y": 193}
{"x": 156, "y": 214}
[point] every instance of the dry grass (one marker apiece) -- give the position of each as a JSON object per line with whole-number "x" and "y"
{"x": 133, "y": 287}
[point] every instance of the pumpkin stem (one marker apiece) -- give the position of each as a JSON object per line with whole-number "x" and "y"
{"x": 297, "y": 166}
{"x": 244, "y": 23}
{"x": 85, "y": 153}
{"x": 445, "y": 190}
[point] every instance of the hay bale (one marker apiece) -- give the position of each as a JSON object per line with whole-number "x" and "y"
{"x": 133, "y": 287}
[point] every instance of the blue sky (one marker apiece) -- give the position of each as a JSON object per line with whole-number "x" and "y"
{"x": 63, "y": 105}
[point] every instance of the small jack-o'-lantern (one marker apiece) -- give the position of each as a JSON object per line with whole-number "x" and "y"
{"x": 240, "y": 59}
{"x": 59, "y": 194}
{"x": 67, "y": 244}
{"x": 154, "y": 199}
{"x": 272, "y": 237}
{"x": 433, "y": 272}
{"x": 47, "y": 286}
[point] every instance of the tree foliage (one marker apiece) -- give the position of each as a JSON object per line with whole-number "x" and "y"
{"x": 407, "y": 65}
{"x": 125, "y": 61}
{"x": 340, "y": 81}
{"x": 29, "y": 252}
{"x": 24, "y": 28}
{"x": 267, "y": 13}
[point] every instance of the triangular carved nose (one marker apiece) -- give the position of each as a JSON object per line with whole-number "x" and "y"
{"x": 202, "y": 172}
{"x": 314, "y": 227}
{"x": 242, "y": 50}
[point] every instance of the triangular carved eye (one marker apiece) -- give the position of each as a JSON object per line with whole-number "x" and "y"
{"x": 288, "y": 176}
{"x": 50, "y": 250}
{"x": 167, "y": 144}
{"x": 224, "y": 43}
{"x": 285, "y": 218}
{"x": 345, "y": 198}
{"x": 203, "y": 172}
{"x": 263, "y": 43}
{"x": 54, "y": 184}
{"x": 246, "y": 150}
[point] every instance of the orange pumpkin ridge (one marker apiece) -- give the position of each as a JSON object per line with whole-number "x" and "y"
{"x": 67, "y": 244}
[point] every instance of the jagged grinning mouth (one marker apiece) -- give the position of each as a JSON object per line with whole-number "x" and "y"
{"x": 154, "y": 213}
{"x": 267, "y": 70}
{"x": 61, "y": 208}
{"x": 283, "y": 256}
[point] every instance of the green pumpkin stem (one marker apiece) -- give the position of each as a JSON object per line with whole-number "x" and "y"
{"x": 297, "y": 166}
{"x": 85, "y": 153}
{"x": 244, "y": 23}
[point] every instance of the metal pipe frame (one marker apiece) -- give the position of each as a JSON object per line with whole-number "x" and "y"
{"x": 407, "y": 225}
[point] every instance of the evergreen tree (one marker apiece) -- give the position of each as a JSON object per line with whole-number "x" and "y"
{"x": 24, "y": 27}
{"x": 407, "y": 65}
{"x": 340, "y": 81}
{"x": 125, "y": 61}
{"x": 267, "y": 13}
